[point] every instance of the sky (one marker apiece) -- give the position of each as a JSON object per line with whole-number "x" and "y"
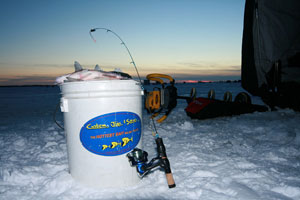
{"x": 188, "y": 39}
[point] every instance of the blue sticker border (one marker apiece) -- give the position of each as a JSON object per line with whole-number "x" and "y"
{"x": 88, "y": 133}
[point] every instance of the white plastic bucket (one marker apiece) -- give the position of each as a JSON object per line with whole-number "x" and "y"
{"x": 103, "y": 122}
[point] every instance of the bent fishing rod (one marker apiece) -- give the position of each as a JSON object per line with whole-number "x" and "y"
{"x": 138, "y": 157}
{"x": 122, "y": 43}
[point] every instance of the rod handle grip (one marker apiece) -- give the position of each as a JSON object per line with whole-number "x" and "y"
{"x": 170, "y": 180}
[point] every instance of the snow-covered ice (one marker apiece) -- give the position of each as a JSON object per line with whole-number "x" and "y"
{"x": 250, "y": 156}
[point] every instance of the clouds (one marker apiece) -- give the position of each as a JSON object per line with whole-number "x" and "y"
{"x": 27, "y": 80}
{"x": 31, "y": 74}
{"x": 50, "y": 65}
{"x": 199, "y": 70}
{"x": 210, "y": 68}
{"x": 45, "y": 73}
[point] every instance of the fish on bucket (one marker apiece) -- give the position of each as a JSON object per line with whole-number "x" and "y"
{"x": 115, "y": 144}
{"x": 126, "y": 140}
{"x": 81, "y": 74}
{"x": 105, "y": 146}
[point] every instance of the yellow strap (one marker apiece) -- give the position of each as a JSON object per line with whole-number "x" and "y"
{"x": 157, "y": 77}
{"x": 154, "y": 115}
{"x": 160, "y": 120}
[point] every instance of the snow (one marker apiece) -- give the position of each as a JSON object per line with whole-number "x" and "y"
{"x": 250, "y": 156}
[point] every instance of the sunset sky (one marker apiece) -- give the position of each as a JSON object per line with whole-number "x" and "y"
{"x": 189, "y": 39}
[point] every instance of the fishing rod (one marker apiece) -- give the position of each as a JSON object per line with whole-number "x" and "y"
{"x": 122, "y": 43}
{"x": 138, "y": 157}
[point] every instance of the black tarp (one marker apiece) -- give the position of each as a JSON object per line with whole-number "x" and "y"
{"x": 271, "y": 51}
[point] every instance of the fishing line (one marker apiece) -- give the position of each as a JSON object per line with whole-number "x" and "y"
{"x": 122, "y": 43}
{"x": 154, "y": 131}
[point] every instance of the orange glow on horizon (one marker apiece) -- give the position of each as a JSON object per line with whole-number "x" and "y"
{"x": 187, "y": 81}
{"x": 205, "y": 81}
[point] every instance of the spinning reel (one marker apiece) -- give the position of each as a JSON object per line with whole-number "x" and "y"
{"x": 138, "y": 158}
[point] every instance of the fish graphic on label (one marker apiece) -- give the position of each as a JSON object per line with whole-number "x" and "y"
{"x": 126, "y": 140}
{"x": 114, "y": 144}
{"x": 104, "y": 146}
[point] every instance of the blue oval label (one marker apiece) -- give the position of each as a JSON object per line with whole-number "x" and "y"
{"x": 111, "y": 134}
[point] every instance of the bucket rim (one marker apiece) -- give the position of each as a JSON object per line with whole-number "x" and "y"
{"x": 98, "y": 81}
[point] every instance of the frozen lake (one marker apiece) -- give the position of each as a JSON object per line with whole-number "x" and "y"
{"x": 250, "y": 156}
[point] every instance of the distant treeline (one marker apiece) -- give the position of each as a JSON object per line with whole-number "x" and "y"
{"x": 145, "y": 83}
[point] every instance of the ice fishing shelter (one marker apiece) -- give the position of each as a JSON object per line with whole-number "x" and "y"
{"x": 271, "y": 51}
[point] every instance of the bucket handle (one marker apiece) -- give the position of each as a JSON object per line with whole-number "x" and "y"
{"x": 54, "y": 117}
